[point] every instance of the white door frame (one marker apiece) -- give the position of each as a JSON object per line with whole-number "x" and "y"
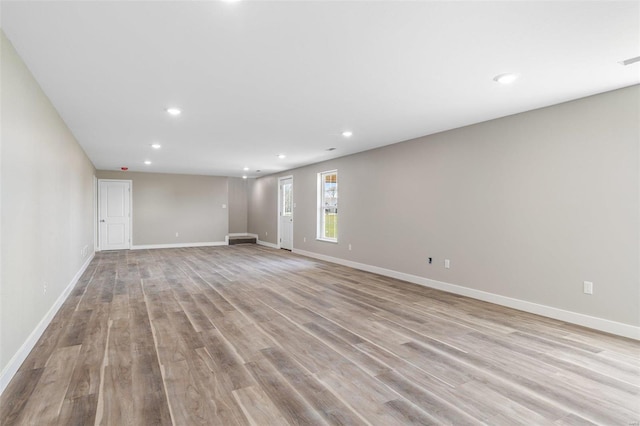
{"x": 96, "y": 212}
{"x": 130, "y": 209}
{"x": 279, "y": 236}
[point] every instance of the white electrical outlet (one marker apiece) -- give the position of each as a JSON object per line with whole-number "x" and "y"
{"x": 588, "y": 287}
{"x": 177, "y": 234}
{"x": 349, "y": 247}
{"x": 266, "y": 234}
{"x": 447, "y": 264}
{"x": 304, "y": 240}
{"x": 44, "y": 288}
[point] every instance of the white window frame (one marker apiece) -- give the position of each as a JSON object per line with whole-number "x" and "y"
{"x": 320, "y": 210}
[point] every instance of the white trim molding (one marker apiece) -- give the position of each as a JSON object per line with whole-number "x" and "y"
{"x": 180, "y": 245}
{"x": 242, "y": 234}
{"x": 96, "y": 212}
{"x": 601, "y": 324}
{"x": 18, "y": 358}
{"x": 267, "y": 244}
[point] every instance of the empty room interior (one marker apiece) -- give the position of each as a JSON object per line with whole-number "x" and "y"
{"x": 320, "y": 212}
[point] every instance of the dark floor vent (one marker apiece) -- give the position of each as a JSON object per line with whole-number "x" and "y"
{"x": 242, "y": 239}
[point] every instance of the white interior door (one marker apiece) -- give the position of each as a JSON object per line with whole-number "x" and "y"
{"x": 115, "y": 214}
{"x": 286, "y": 213}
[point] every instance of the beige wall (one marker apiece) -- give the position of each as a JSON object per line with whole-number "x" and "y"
{"x": 166, "y": 204}
{"x": 238, "y": 204}
{"x": 528, "y": 206}
{"x": 263, "y": 204}
{"x": 47, "y": 205}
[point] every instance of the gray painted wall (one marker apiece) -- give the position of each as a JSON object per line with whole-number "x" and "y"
{"x": 46, "y": 203}
{"x": 164, "y": 204}
{"x": 263, "y": 205}
{"x": 238, "y": 204}
{"x": 528, "y": 206}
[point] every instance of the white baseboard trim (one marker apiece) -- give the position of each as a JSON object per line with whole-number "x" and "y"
{"x": 596, "y": 323}
{"x": 179, "y": 245}
{"x": 18, "y": 358}
{"x": 267, "y": 244}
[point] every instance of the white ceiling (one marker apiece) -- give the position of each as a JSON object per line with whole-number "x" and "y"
{"x": 259, "y": 78}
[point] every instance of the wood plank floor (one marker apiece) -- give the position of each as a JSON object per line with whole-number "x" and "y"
{"x": 251, "y": 335}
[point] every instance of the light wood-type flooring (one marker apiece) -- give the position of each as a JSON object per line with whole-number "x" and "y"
{"x": 250, "y": 335}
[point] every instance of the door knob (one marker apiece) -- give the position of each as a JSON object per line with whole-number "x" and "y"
{"x": 102, "y": 220}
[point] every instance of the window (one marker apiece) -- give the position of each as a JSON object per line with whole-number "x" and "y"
{"x": 287, "y": 198}
{"x": 328, "y": 206}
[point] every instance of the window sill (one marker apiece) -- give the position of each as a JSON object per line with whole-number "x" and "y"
{"x": 326, "y": 240}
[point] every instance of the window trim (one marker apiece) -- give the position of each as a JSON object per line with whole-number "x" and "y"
{"x": 320, "y": 223}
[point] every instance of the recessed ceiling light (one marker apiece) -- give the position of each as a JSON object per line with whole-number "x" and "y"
{"x": 331, "y": 149}
{"x": 506, "y": 78}
{"x": 147, "y": 162}
{"x": 174, "y": 111}
{"x": 347, "y": 134}
{"x": 281, "y": 156}
{"x": 246, "y": 169}
{"x": 244, "y": 176}
{"x": 156, "y": 146}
